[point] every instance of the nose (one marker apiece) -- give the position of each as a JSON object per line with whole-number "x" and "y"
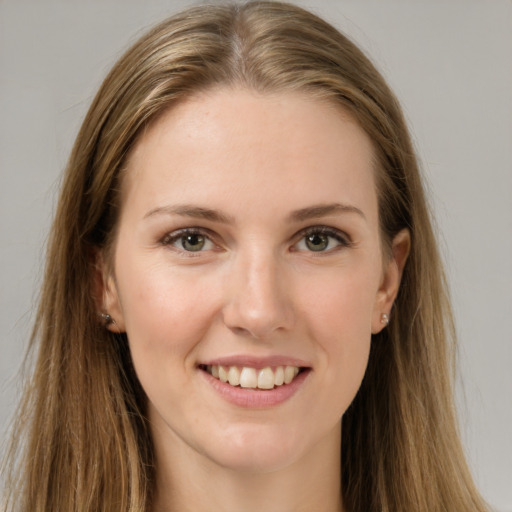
{"x": 258, "y": 296}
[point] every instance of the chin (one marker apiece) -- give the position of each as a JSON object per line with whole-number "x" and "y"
{"x": 256, "y": 450}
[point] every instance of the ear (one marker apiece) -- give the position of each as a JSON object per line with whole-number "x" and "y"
{"x": 391, "y": 277}
{"x": 106, "y": 295}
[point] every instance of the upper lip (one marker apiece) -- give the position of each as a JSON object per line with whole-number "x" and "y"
{"x": 256, "y": 362}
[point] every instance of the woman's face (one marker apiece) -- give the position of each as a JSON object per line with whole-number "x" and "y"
{"x": 249, "y": 242}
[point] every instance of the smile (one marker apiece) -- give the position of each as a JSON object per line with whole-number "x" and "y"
{"x": 251, "y": 378}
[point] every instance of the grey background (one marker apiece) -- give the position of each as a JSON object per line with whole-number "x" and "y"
{"x": 450, "y": 62}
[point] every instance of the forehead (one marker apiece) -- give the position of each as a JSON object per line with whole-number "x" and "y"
{"x": 240, "y": 144}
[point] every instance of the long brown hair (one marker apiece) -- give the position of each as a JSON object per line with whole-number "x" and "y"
{"x": 81, "y": 431}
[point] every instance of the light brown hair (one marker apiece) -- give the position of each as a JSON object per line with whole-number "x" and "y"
{"x": 81, "y": 431}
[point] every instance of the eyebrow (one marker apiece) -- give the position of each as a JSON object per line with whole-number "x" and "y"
{"x": 323, "y": 210}
{"x": 187, "y": 210}
{"x": 198, "y": 212}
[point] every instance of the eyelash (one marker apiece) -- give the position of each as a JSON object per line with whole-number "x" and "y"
{"x": 341, "y": 238}
{"x": 171, "y": 238}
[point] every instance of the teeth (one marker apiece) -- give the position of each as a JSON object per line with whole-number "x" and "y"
{"x": 279, "y": 376}
{"x": 223, "y": 374}
{"x": 266, "y": 378}
{"x": 247, "y": 377}
{"x": 234, "y": 376}
{"x": 289, "y": 374}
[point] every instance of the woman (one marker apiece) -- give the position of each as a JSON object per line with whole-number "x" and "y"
{"x": 243, "y": 284}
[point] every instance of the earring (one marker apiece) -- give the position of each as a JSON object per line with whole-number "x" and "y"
{"x": 384, "y": 319}
{"x": 107, "y": 319}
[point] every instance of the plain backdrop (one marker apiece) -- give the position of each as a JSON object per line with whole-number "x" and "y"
{"x": 450, "y": 63}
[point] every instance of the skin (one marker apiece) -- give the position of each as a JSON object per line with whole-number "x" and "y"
{"x": 256, "y": 288}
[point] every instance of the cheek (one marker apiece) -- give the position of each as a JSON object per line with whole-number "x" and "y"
{"x": 342, "y": 302}
{"x": 340, "y": 313}
{"x": 166, "y": 311}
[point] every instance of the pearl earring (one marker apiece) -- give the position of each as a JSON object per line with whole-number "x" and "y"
{"x": 384, "y": 319}
{"x": 107, "y": 319}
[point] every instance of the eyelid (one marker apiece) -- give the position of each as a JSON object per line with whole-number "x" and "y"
{"x": 171, "y": 237}
{"x": 340, "y": 236}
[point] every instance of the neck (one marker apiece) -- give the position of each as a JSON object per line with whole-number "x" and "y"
{"x": 198, "y": 484}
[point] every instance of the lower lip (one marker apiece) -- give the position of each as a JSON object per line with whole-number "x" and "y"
{"x": 256, "y": 398}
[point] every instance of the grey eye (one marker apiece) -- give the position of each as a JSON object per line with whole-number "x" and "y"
{"x": 193, "y": 242}
{"x": 187, "y": 240}
{"x": 322, "y": 239}
{"x": 317, "y": 242}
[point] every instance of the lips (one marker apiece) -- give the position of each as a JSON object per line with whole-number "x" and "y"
{"x": 255, "y": 382}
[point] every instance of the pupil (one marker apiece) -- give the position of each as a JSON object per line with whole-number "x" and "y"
{"x": 317, "y": 242}
{"x": 193, "y": 242}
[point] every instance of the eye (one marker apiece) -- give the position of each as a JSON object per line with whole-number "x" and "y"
{"x": 189, "y": 240}
{"x": 322, "y": 239}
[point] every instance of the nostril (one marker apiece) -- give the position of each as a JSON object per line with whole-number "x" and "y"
{"x": 240, "y": 331}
